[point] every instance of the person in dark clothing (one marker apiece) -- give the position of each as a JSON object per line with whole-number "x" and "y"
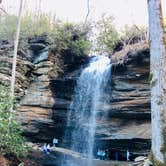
{"x": 116, "y": 155}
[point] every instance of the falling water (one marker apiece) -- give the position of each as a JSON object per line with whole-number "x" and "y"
{"x": 89, "y": 94}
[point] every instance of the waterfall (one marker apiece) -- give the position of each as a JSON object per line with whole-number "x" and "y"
{"x": 89, "y": 97}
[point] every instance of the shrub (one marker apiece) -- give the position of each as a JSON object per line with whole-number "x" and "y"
{"x": 79, "y": 47}
{"x": 11, "y": 141}
{"x": 71, "y": 39}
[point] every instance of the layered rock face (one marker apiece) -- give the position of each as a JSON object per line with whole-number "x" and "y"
{"x": 128, "y": 123}
{"x": 38, "y": 110}
{"x": 129, "y": 109}
{"x": 43, "y": 109}
{"x": 23, "y": 70}
{"x": 130, "y": 95}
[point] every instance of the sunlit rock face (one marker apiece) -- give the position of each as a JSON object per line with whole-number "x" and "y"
{"x": 43, "y": 110}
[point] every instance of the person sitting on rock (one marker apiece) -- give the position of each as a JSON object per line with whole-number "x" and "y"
{"x": 103, "y": 154}
{"x": 48, "y": 148}
{"x": 44, "y": 148}
{"x": 99, "y": 153}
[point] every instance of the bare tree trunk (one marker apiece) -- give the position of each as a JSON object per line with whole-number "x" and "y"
{"x": 15, "y": 54}
{"x": 158, "y": 82}
{"x": 88, "y": 10}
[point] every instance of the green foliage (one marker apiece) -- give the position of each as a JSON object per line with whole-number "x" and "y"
{"x": 150, "y": 76}
{"x": 164, "y": 22}
{"x": 108, "y": 35}
{"x": 31, "y": 25}
{"x": 155, "y": 161}
{"x": 62, "y": 36}
{"x": 11, "y": 140}
{"x": 163, "y": 148}
{"x": 8, "y": 26}
{"x": 35, "y": 25}
{"x": 70, "y": 38}
{"x": 79, "y": 47}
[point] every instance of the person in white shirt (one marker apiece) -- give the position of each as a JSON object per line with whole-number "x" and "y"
{"x": 55, "y": 141}
{"x": 99, "y": 153}
{"x": 128, "y": 155}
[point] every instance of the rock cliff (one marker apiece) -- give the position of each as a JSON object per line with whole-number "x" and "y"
{"x": 45, "y": 97}
{"x": 43, "y": 110}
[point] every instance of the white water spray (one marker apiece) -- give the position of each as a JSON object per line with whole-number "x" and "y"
{"x": 89, "y": 94}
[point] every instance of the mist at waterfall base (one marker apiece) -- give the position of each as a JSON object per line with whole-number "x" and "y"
{"x": 88, "y": 100}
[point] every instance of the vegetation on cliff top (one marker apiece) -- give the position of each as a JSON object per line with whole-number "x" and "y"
{"x": 62, "y": 36}
{"x": 68, "y": 37}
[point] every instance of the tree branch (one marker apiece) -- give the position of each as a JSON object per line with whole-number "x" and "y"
{"x": 3, "y": 10}
{"x": 88, "y": 12}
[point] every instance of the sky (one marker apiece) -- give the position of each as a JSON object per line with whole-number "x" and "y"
{"x": 124, "y": 11}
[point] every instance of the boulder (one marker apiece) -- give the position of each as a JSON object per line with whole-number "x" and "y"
{"x": 140, "y": 159}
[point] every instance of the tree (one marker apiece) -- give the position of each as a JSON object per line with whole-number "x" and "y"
{"x": 2, "y": 8}
{"x": 15, "y": 53}
{"x": 158, "y": 82}
{"x": 108, "y": 36}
